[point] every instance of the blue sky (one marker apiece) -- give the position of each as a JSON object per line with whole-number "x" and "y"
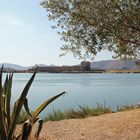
{"x": 26, "y": 36}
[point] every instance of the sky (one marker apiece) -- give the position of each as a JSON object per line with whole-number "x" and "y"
{"x": 26, "y": 36}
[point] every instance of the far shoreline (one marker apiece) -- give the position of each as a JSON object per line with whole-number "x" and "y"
{"x": 79, "y": 72}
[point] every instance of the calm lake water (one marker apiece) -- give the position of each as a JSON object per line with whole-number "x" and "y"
{"x": 82, "y": 89}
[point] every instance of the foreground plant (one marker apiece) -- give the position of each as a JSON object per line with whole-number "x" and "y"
{"x": 9, "y": 119}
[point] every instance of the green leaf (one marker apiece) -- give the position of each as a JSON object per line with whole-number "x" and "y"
{"x": 2, "y": 126}
{"x": 5, "y": 86}
{"x": 43, "y": 105}
{"x": 19, "y": 106}
{"x": 26, "y": 130}
{"x": 8, "y": 99}
{"x": 27, "y": 107}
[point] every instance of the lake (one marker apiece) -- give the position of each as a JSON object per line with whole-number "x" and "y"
{"x": 82, "y": 89}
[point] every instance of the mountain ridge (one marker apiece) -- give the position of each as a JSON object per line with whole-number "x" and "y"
{"x": 114, "y": 65}
{"x": 13, "y": 66}
{"x": 101, "y": 65}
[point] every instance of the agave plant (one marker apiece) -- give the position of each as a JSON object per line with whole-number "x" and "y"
{"x": 8, "y": 118}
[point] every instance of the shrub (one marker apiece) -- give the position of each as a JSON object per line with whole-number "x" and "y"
{"x": 9, "y": 119}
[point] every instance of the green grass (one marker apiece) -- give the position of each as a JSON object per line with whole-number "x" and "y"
{"x": 23, "y": 116}
{"x": 81, "y": 112}
{"x": 125, "y": 107}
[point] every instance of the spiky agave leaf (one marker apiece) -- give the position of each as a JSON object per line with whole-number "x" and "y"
{"x": 35, "y": 117}
{"x": 8, "y": 122}
{"x": 26, "y": 130}
{"x": 2, "y": 126}
{"x": 5, "y": 86}
{"x": 43, "y": 105}
{"x": 38, "y": 128}
{"x": 7, "y": 100}
{"x": 19, "y": 106}
{"x": 26, "y": 106}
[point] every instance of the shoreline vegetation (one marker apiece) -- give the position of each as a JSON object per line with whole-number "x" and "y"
{"x": 79, "y": 72}
{"x": 81, "y": 112}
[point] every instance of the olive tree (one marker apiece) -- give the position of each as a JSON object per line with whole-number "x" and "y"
{"x": 90, "y": 26}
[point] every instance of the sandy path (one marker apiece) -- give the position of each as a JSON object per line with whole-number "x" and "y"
{"x": 115, "y": 126}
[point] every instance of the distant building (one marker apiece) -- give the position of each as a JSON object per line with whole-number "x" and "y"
{"x": 58, "y": 69}
{"x": 85, "y": 66}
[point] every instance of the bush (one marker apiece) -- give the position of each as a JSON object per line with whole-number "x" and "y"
{"x": 9, "y": 119}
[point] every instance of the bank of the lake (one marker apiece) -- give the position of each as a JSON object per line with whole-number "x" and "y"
{"x": 115, "y": 126}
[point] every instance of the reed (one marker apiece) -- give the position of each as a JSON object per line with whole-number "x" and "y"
{"x": 125, "y": 107}
{"x": 84, "y": 111}
{"x": 81, "y": 112}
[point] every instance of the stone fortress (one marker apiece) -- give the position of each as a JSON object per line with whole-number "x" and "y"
{"x": 83, "y": 67}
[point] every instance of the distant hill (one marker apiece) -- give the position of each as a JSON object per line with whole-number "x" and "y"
{"x": 114, "y": 64}
{"x": 19, "y": 67}
{"x": 102, "y": 65}
{"x": 14, "y": 66}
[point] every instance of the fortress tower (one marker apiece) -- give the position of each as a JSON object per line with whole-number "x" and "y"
{"x": 85, "y": 65}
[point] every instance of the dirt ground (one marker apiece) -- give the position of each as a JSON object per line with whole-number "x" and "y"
{"x": 115, "y": 126}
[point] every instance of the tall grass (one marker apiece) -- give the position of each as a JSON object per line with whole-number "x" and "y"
{"x": 81, "y": 112}
{"x": 23, "y": 116}
{"x": 125, "y": 107}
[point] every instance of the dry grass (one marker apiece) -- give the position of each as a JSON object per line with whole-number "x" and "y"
{"x": 80, "y": 112}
